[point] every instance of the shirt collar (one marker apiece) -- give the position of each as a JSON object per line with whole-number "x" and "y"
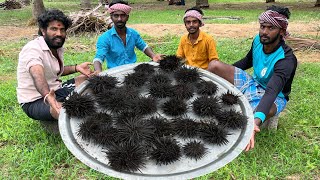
{"x": 114, "y": 31}
{"x": 200, "y": 37}
{"x": 43, "y": 43}
{"x": 45, "y": 47}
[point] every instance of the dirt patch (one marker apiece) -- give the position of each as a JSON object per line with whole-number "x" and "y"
{"x": 262, "y": 5}
{"x": 159, "y": 30}
{"x": 223, "y": 30}
{"x": 216, "y": 30}
{"x": 9, "y": 33}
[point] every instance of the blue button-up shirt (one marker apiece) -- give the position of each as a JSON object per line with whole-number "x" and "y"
{"x": 111, "y": 48}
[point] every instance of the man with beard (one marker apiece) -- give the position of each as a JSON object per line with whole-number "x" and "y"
{"x": 40, "y": 90}
{"x": 197, "y": 47}
{"x": 116, "y": 46}
{"x": 274, "y": 66}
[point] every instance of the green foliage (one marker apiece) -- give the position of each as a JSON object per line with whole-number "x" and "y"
{"x": 147, "y": 12}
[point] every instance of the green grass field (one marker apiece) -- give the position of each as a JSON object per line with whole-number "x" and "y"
{"x": 291, "y": 152}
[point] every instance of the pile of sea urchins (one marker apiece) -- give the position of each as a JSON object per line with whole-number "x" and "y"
{"x": 146, "y": 116}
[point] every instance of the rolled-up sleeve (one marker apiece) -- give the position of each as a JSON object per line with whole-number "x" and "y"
{"x": 180, "y": 52}
{"x": 32, "y": 58}
{"x": 212, "y": 49}
{"x": 102, "y": 49}
{"x": 140, "y": 44}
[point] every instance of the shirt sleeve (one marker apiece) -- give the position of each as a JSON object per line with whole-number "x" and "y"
{"x": 212, "y": 49}
{"x": 140, "y": 44}
{"x": 282, "y": 73}
{"x": 180, "y": 52}
{"x": 102, "y": 49}
{"x": 31, "y": 57}
{"x": 246, "y": 62}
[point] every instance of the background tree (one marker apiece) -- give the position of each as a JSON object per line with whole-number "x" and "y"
{"x": 202, "y": 3}
{"x": 37, "y": 8}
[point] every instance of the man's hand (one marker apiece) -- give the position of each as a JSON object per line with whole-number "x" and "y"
{"x": 85, "y": 69}
{"x": 250, "y": 146}
{"x": 157, "y": 57}
{"x": 55, "y": 106}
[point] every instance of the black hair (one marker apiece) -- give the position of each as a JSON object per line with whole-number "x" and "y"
{"x": 196, "y": 9}
{"x": 118, "y": 2}
{"x": 281, "y": 10}
{"x": 52, "y": 15}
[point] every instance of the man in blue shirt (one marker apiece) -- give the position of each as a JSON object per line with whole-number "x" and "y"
{"x": 116, "y": 46}
{"x": 274, "y": 66}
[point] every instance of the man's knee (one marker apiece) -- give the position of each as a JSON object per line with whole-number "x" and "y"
{"x": 272, "y": 111}
{"x": 214, "y": 66}
{"x": 37, "y": 110}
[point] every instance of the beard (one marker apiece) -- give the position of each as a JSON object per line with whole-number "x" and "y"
{"x": 55, "y": 42}
{"x": 120, "y": 25}
{"x": 267, "y": 40}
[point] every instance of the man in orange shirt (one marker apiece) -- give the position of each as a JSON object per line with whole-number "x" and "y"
{"x": 197, "y": 48}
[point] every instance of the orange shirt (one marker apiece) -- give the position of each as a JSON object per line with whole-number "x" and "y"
{"x": 200, "y": 53}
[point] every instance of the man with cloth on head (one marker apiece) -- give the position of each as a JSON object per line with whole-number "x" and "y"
{"x": 274, "y": 66}
{"x": 116, "y": 46}
{"x": 197, "y": 48}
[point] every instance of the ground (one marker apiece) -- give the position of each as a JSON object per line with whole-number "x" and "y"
{"x": 216, "y": 30}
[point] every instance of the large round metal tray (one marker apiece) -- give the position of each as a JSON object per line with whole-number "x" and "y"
{"x": 217, "y": 156}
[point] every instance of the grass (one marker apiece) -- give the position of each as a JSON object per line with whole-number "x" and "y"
{"x": 28, "y": 152}
{"x": 173, "y": 14}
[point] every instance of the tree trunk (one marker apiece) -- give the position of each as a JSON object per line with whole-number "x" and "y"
{"x": 37, "y": 8}
{"x": 317, "y": 3}
{"x": 202, "y": 3}
{"x": 270, "y": 1}
{"x": 86, "y": 4}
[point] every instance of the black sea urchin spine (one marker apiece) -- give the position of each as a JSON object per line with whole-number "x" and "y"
{"x": 185, "y": 127}
{"x": 194, "y": 150}
{"x": 135, "y": 79}
{"x": 79, "y": 106}
{"x": 101, "y": 83}
{"x": 174, "y": 107}
{"x": 118, "y": 99}
{"x": 159, "y": 78}
{"x": 206, "y": 106}
{"x": 170, "y": 63}
{"x": 229, "y": 98}
{"x": 232, "y": 119}
{"x": 187, "y": 75}
{"x": 213, "y": 134}
{"x": 126, "y": 157}
{"x": 206, "y": 88}
{"x": 162, "y": 126}
{"x": 144, "y": 105}
{"x": 145, "y": 68}
{"x": 160, "y": 90}
{"x": 114, "y": 102}
{"x": 135, "y": 130}
{"x": 98, "y": 132}
{"x": 166, "y": 151}
{"x": 182, "y": 91}
{"x": 101, "y": 117}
